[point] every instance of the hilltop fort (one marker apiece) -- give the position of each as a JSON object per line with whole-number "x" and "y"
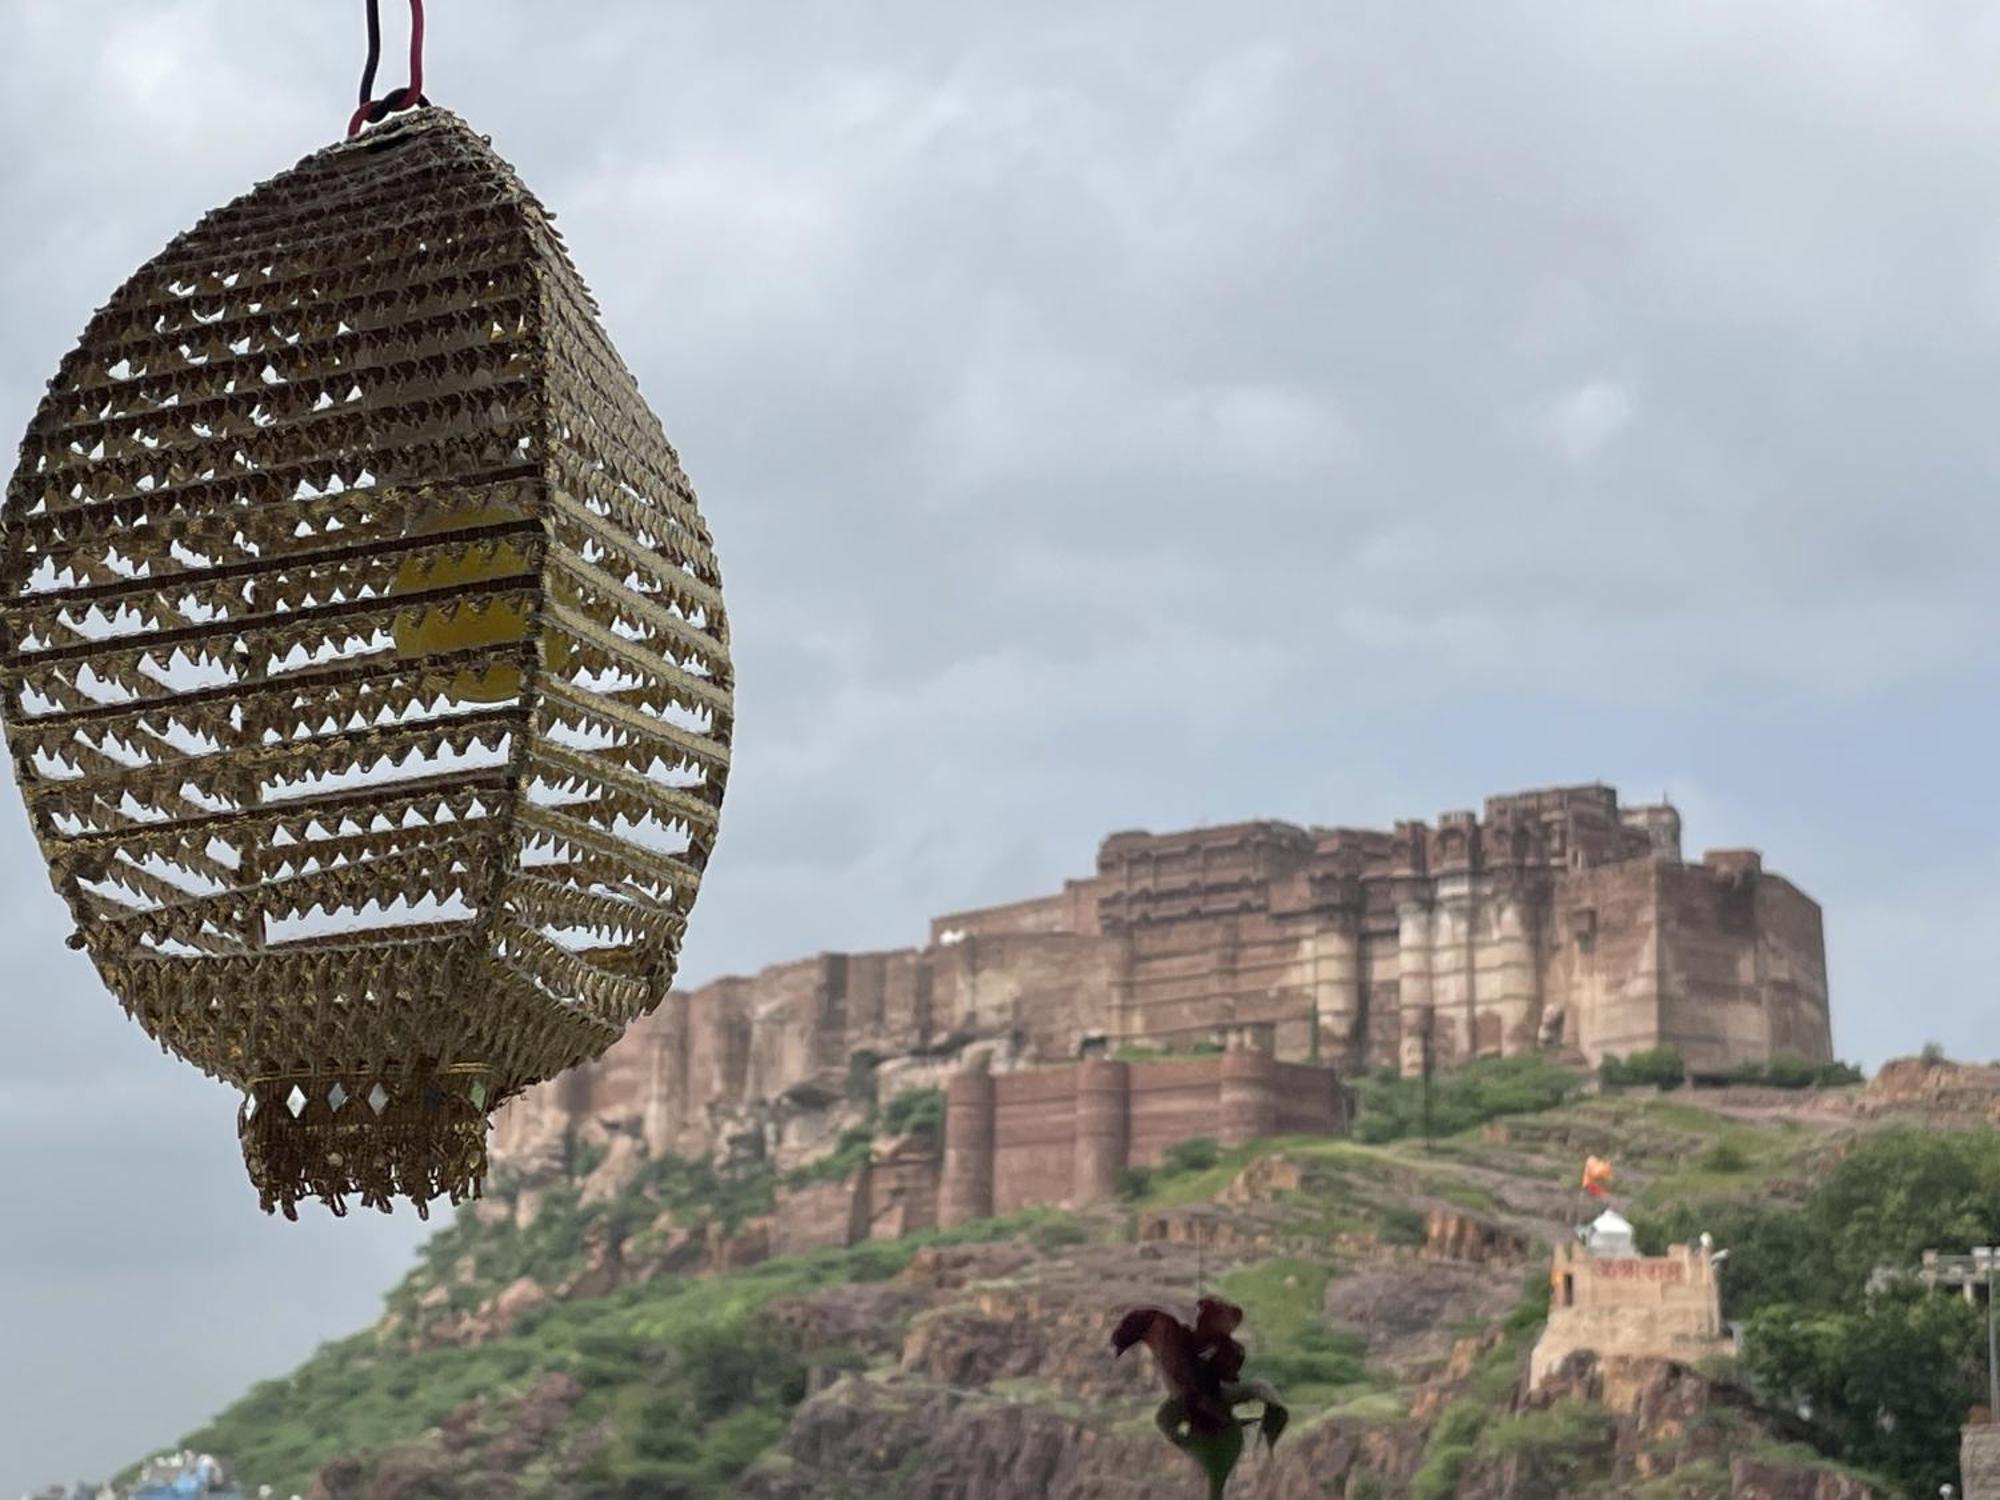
{"x": 1555, "y": 920}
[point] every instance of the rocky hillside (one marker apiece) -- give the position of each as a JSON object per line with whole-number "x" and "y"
{"x": 640, "y": 1341}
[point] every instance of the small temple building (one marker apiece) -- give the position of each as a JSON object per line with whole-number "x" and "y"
{"x": 1616, "y": 1303}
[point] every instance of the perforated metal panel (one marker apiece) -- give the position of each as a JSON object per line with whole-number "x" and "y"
{"x": 365, "y": 665}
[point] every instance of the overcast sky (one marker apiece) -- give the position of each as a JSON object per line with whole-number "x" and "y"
{"x": 1129, "y": 415}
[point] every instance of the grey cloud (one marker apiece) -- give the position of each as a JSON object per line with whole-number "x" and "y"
{"x": 1120, "y": 415}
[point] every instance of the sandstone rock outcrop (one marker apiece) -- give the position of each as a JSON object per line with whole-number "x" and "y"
{"x": 1969, "y": 1092}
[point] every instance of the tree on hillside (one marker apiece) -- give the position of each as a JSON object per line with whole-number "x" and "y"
{"x": 1889, "y": 1373}
{"x": 1890, "y": 1378}
{"x": 1907, "y": 1192}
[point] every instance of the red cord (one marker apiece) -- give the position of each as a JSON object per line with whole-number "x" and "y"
{"x": 410, "y": 96}
{"x": 416, "y": 89}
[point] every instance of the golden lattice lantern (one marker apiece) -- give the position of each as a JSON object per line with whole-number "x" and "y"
{"x": 365, "y": 664}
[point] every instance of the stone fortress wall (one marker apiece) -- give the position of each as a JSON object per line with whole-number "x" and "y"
{"x": 1061, "y": 1136}
{"x": 1555, "y": 919}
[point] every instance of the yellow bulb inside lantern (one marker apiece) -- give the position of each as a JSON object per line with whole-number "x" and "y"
{"x": 502, "y": 621}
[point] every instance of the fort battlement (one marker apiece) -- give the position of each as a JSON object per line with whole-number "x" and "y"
{"x": 1551, "y": 919}
{"x": 1061, "y": 1137}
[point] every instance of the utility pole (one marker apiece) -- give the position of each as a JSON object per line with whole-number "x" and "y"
{"x": 1987, "y": 1258}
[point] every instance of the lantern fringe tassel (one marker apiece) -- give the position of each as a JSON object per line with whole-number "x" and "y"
{"x": 429, "y": 1146}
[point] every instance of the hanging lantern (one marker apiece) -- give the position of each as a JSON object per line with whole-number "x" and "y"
{"x": 365, "y": 664}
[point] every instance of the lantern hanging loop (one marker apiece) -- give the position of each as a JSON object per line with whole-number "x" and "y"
{"x": 372, "y": 110}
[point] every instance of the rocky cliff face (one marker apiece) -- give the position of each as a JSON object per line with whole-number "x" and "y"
{"x": 1958, "y": 1092}
{"x": 679, "y": 1084}
{"x": 653, "y": 1341}
{"x": 1681, "y": 1435}
{"x": 987, "y": 1377}
{"x": 1385, "y": 1292}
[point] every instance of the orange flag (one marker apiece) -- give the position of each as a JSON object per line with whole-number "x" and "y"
{"x": 1597, "y": 1175}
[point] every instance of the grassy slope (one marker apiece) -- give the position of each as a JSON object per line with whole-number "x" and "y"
{"x": 367, "y": 1392}
{"x": 647, "y": 1357}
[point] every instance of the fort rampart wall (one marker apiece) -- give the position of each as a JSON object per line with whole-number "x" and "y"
{"x": 1555, "y": 919}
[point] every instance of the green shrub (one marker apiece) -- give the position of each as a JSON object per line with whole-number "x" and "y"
{"x": 1315, "y": 1355}
{"x": 878, "y": 1260}
{"x": 1158, "y": 1054}
{"x": 1454, "y": 1439}
{"x": 1658, "y": 1067}
{"x": 1389, "y": 1107}
{"x": 1525, "y": 1319}
{"x": 1450, "y": 1448}
{"x": 1059, "y": 1235}
{"x": 1134, "y": 1183}
{"x": 549, "y": 1247}
{"x": 849, "y": 1153}
{"x": 1789, "y": 1072}
{"x": 915, "y": 1112}
{"x": 686, "y": 1380}
{"x": 1402, "y": 1225}
{"x": 698, "y": 1192}
{"x": 1726, "y": 1157}
{"x": 1284, "y": 1327}
{"x": 1195, "y": 1155}
{"x": 689, "y": 1415}
{"x": 1554, "y": 1448}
